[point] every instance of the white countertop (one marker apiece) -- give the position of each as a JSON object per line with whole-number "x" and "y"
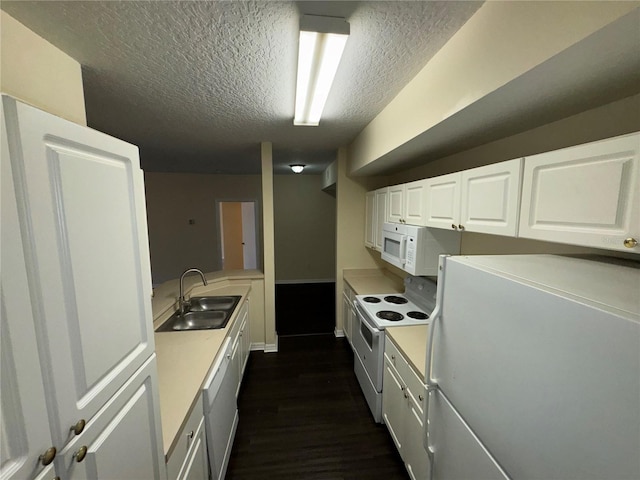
{"x": 373, "y": 281}
{"x": 184, "y": 360}
{"x": 412, "y": 343}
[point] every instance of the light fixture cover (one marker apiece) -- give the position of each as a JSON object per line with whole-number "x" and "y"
{"x": 297, "y": 168}
{"x": 322, "y": 42}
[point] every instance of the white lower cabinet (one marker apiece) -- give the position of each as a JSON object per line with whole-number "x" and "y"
{"x": 120, "y": 442}
{"x": 188, "y": 460}
{"x": 403, "y": 410}
{"x": 348, "y": 312}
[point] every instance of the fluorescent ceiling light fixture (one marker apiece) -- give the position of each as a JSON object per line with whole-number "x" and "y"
{"x": 322, "y": 41}
{"x": 297, "y": 168}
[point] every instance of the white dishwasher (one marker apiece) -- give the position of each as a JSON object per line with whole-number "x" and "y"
{"x": 220, "y": 412}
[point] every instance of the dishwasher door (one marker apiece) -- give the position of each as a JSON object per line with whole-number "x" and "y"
{"x": 220, "y": 412}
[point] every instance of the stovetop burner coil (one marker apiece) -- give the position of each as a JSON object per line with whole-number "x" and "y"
{"x": 395, "y": 299}
{"x": 418, "y": 315}
{"x": 372, "y": 299}
{"x": 389, "y": 315}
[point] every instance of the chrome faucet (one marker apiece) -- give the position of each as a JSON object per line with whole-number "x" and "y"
{"x": 181, "y": 300}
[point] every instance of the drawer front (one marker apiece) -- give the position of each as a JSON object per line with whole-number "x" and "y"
{"x": 395, "y": 358}
{"x": 185, "y": 439}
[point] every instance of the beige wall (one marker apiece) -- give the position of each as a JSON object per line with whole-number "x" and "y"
{"x": 35, "y": 72}
{"x": 305, "y": 228}
{"x": 502, "y": 41}
{"x": 175, "y": 198}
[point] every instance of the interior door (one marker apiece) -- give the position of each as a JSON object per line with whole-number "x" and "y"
{"x": 82, "y": 209}
{"x": 233, "y": 251}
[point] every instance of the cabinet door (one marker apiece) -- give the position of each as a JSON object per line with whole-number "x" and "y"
{"x": 585, "y": 195}
{"x": 24, "y": 422}
{"x": 235, "y": 367}
{"x": 394, "y": 405}
{"x": 415, "y": 203}
{"x": 246, "y": 338}
{"x": 443, "y": 201}
{"x": 491, "y": 198}
{"x": 124, "y": 440}
{"x": 197, "y": 465}
{"x": 395, "y": 203}
{"x": 381, "y": 216}
{"x": 370, "y": 219}
{"x": 415, "y": 458}
{"x": 346, "y": 317}
{"x": 83, "y": 211}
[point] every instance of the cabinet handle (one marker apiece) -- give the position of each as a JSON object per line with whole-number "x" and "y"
{"x": 453, "y": 225}
{"x": 630, "y": 242}
{"x": 420, "y": 397}
{"x": 80, "y": 454}
{"x": 460, "y": 227}
{"x": 228, "y": 356}
{"x": 393, "y": 357}
{"x": 402, "y": 387}
{"x": 78, "y": 427}
{"x": 191, "y": 434}
{"x": 405, "y": 395}
{"x": 47, "y": 457}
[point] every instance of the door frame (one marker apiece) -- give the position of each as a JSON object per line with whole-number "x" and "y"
{"x": 258, "y": 230}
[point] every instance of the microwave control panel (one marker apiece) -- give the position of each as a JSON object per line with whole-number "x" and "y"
{"x": 411, "y": 251}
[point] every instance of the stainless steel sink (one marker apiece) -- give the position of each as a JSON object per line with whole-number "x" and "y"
{"x": 203, "y": 313}
{"x": 201, "y": 304}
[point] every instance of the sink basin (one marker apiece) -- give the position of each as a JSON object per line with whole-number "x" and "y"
{"x": 201, "y": 304}
{"x": 203, "y": 313}
{"x": 209, "y": 320}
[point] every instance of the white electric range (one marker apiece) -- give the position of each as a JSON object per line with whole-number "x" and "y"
{"x": 374, "y": 314}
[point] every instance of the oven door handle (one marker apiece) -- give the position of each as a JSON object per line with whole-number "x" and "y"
{"x": 365, "y": 322}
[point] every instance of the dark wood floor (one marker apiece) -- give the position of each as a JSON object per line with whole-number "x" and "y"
{"x": 303, "y": 416}
{"x": 293, "y": 314}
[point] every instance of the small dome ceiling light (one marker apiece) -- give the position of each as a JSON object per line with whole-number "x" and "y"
{"x": 297, "y": 168}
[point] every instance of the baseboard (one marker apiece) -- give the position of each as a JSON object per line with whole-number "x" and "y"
{"x": 305, "y": 280}
{"x": 257, "y": 346}
{"x": 271, "y": 347}
{"x": 338, "y": 333}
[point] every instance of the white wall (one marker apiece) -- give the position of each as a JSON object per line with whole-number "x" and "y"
{"x": 305, "y": 229}
{"x": 35, "y": 72}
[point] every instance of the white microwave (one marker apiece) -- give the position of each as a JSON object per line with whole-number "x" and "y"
{"x": 416, "y": 249}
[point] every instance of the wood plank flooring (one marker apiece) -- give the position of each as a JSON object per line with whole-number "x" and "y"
{"x": 303, "y": 416}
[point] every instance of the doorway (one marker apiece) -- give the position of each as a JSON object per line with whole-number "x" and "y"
{"x": 238, "y": 245}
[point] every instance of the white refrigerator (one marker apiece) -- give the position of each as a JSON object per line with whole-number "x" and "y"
{"x": 534, "y": 365}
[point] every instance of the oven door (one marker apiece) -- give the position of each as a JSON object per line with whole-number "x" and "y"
{"x": 394, "y": 248}
{"x": 368, "y": 343}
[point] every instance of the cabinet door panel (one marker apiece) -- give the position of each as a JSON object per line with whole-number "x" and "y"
{"x": 416, "y": 457}
{"x": 197, "y": 466}
{"x": 381, "y": 216}
{"x": 124, "y": 439}
{"x": 415, "y": 202}
{"x": 585, "y": 195}
{"x": 84, "y": 213}
{"x": 491, "y": 198}
{"x": 395, "y": 203}
{"x": 24, "y": 423}
{"x": 443, "y": 201}
{"x": 393, "y": 405}
{"x": 370, "y": 219}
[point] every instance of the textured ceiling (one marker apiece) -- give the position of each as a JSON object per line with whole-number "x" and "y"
{"x": 197, "y": 85}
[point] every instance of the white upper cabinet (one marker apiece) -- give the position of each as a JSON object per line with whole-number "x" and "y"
{"x": 406, "y": 203}
{"x": 484, "y": 199}
{"x": 81, "y": 206}
{"x": 443, "y": 201}
{"x": 370, "y": 219}
{"x": 586, "y": 195}
{"x": 381, "y": 216}
{"x": 490, "y": 201}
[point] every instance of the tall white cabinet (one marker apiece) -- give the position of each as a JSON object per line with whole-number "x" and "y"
{"x": 80, "y": 212}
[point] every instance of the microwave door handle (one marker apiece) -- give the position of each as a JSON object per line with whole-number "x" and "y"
{"x": 403, "y": 249}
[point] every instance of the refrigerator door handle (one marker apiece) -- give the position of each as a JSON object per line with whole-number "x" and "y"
{"x": 431, "y": 382}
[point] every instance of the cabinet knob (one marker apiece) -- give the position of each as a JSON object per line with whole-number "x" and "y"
{"x": 460, "y": 227}
{"x": 78, "y": 427}
{"x": 191, "y": 434}
{"x": 80, "y": 454}
{"x": 453, "y": 225}
{"x": 47, "y": 457}
{"x": 630, "y": 242}
{"x": 420, "y": 397}
{"x": 393, "y": 357}
{"x": 405, "y": 395}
